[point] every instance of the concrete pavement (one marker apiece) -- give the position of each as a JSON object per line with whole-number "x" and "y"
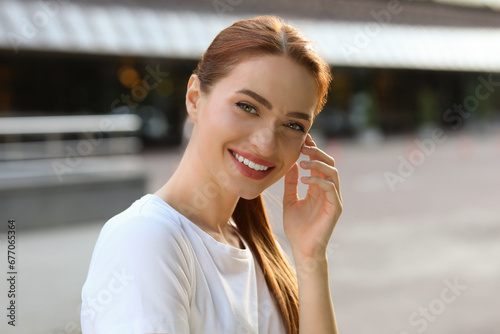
{"x": 422, "y": 257}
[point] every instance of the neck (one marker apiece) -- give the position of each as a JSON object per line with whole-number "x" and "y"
{"x": 197, "y": 194}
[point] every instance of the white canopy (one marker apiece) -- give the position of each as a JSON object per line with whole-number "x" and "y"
{"x": 140, "y": 31}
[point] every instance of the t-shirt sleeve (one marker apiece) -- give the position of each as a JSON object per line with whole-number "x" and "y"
{"x": 140, "y": 280}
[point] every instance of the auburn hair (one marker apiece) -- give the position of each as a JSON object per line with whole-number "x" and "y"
{"x": 260, "y": 36}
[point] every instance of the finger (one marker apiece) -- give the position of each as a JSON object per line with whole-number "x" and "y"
{"x": 324, "y": 170}
{"x": 291, "y": 195}
{"x": 328, "y": 187}
{"x": 315, "y": 153}
{"x": 319, "y": 166}
{"x": 309, "y": 140}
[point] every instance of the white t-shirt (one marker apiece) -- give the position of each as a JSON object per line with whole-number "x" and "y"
{"x": 154, "y": 271}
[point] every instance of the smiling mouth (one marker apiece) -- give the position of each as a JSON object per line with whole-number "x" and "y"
{"x": 254, "y": 168}
{"x": 249, "y": 163}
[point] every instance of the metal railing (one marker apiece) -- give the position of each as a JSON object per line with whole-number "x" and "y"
{"x": 90, "y": 135}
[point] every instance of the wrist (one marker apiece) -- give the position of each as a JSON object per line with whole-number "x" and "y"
{"x": 308, "y": 262}
{"x": 308, "y": 253}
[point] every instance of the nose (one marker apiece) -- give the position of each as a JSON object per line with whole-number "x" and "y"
{"x": 264, "y": 141}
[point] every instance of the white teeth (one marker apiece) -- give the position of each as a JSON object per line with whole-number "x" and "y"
{"x": 249, "y": 163}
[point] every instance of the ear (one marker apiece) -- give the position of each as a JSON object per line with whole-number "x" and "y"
{"x": 193, "y": 97}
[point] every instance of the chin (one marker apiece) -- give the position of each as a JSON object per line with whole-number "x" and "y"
{"x": 251, "y": 197}
{"x": 247, "y": 194}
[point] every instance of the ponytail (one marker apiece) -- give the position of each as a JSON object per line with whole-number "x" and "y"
{"x": 251, "y": 219}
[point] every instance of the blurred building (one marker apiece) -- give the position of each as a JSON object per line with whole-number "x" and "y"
{"x": 398, "y": 65}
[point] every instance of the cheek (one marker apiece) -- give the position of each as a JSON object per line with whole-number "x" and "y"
{"x": 215, "y": 122}
{"x": 293, "y": 148}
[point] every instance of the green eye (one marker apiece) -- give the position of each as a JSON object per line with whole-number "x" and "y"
{"x": 246, "y": 108}
{"x": 295, "y": 126}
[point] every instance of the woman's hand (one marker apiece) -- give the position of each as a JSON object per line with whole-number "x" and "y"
{"x": 309, "y": 222}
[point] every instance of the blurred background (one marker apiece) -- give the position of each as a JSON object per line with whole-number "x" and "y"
{"x": 92, "y": 117}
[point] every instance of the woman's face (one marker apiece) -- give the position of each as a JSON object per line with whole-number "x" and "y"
{"x": 252, "y": 124}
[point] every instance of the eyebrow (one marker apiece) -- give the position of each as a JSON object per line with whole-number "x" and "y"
{"x": 262, "y": 100}
{"x": 301, "y": 115}
{"x": 257, "y": 97}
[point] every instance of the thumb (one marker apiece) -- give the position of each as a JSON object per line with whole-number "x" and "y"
{"x": 291, "y": 183}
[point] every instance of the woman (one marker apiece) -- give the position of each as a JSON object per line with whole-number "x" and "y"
{"x": 198, "y": 256}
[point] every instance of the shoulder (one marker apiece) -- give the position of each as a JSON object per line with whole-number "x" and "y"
{"x": 145, "y": 229}
{"x": 144, "y": 218}
{"x": 142, "y": 266}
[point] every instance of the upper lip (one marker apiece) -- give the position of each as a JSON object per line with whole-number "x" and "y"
{"x": 253, "y": 158}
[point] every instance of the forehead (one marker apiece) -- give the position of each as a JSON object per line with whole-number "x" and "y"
{"x": 286, "y": 84}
